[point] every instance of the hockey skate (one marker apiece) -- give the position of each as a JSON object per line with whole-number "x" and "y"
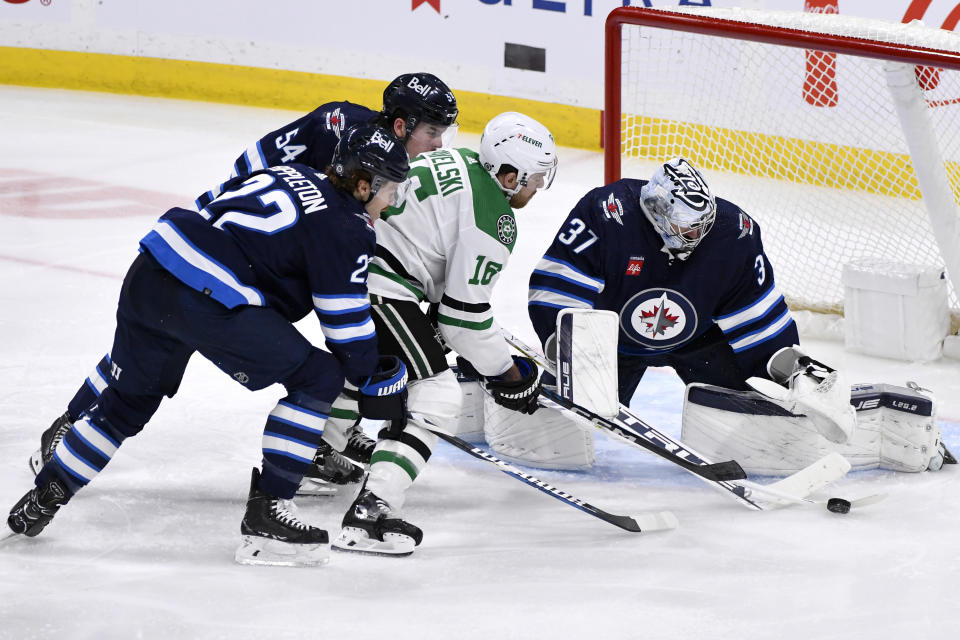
{"x": 329, "y": 469}
{"x": 359, "y": 446}
{"x": 273, "y": 535}
{"x": 369, "y": 526}
{"x": 49, "y": 440}
{"x": 36, "y": 509}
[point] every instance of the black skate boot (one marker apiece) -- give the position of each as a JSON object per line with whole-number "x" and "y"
{"x": 359, "y": 445}
{"x": 371, "y": 527}
{"x": 328, "y": 470}
{"x": 49, "y": 440}
{"x": 36, "y": 509}
{"x": 273, "y": 535}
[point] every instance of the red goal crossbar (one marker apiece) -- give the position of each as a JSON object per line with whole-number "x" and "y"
{"x": 710, "y": 26}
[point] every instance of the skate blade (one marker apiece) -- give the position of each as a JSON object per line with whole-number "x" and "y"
{"x": 354, "y": 540}
{"x": 255, "y": 550}
{"x": 314, "y": 487}
{"x": 36, "y": 462}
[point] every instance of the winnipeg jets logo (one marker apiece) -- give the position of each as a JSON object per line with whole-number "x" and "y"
{"x": 689, "y": 185}
{"x": 613, "y": 209}
{"x": 746, "y": 225}
{"x": 659, "y": 318}
{"x": 336, "y": 122}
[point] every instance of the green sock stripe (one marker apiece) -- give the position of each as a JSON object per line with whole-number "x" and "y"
{"x": 397, "y": 459}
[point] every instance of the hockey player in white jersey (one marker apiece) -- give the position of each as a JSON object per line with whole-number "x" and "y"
{"x": 447, "y": 244}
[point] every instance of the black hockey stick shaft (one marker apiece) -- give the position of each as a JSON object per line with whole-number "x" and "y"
{"x": 628, "y": 427}
{"x": 652, "y": 521}
{"x": 714, "y": 471}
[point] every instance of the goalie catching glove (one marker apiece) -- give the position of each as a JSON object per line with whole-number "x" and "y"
{"x": 517, "y": 395}
{"x": 383, "y": 396}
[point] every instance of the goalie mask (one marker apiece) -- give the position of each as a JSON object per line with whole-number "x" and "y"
{"x": 376, "y": 151}
{"x": 680, "y": 206}
{"x": 513, "y": 141}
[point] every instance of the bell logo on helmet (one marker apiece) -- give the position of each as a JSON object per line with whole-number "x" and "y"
{"x": 690, "y": 186}
{"x": 422, "y": 89}
{"x": 381, "y": 141}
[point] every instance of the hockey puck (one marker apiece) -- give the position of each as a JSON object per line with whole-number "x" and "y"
{"x": 838, "y": 505}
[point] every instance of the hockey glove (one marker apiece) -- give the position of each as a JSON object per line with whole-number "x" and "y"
{"x": 383, "y": 396}
{"x": 518, "y": 395}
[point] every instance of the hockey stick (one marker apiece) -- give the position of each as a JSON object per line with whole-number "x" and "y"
{"x": 723, "y": 476}
{"x": 640, "y": 523}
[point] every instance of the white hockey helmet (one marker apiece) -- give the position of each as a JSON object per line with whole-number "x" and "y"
{"x": 518, "y": 141}
{"x": 680, "y": 206}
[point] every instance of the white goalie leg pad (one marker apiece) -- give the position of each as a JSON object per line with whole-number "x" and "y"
{"x": 438, "y": 398}
{"x": 896, "y": 429}
{"x": 587, "y": 359}
{"x": 469, "y": 424}
{"x": 546, "y": 439}
{"x": 755, "y": 430}
{"x": 905, "y": 421}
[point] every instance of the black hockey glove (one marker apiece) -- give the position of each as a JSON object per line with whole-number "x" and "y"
{"x": 383, "y": 396}
{"x": 518, "y": 395}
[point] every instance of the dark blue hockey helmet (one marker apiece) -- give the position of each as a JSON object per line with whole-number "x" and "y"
{"x": 420, "y": 97}
{"x": 372, "y": 149}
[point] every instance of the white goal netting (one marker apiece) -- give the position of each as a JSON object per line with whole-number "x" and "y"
{"x": 809, "y": 142}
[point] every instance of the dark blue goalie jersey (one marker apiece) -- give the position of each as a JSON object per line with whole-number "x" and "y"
{"x": 607, "y": 255}
{"x": 308, "y": 140}
{"x": 282, "y": 238}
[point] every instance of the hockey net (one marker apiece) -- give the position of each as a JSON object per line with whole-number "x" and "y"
{"x": 792, "y": 117}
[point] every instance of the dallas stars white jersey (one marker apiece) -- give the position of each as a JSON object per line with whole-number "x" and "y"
{"x": 447, "y": 243}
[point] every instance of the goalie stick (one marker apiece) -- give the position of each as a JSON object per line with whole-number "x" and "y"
{"x": 723, "y": 476}
{"x": 639, "y": 523}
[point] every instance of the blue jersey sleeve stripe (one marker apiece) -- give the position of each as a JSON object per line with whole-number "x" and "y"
{"x": 196, "y": 269}
{"x": 577, "y": 283}
{"x": 554, "y": 266}
{"x": 539, "y": 293}
{"x": 749, "y": 313}
{"x": 762, "y": 335}
{"x": 347, "y": 340}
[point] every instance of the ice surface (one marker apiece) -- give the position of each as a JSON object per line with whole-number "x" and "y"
{"x": 147, "y": 550}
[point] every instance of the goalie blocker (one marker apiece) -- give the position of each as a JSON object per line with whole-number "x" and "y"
{"x": 895, "y": 429}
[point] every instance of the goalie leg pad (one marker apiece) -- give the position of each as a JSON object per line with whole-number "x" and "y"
{"x": 895, "y": 429}
{"x": 906, "y": 421}
{"x": 546, "y": 439}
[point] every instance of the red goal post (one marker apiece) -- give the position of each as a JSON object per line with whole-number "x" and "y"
{"x": 794, "y": 117}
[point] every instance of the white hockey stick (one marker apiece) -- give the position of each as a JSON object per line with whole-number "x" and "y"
{"x": 727, "y": 477}
{"x": 638, "y": 523}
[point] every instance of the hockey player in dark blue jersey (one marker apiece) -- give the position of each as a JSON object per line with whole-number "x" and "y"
{"x": 687, "y": 275}
{"x": 421, "y": 111}
{"x": 228, "y": 282}
{"x": 418, "y": 108}
{"x": 685, "y": 271}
